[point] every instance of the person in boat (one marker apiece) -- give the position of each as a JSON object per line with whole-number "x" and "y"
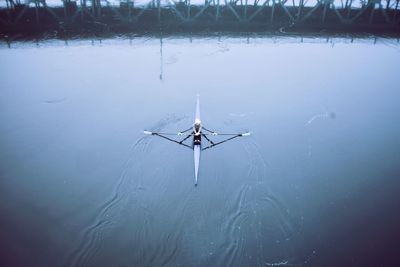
{"x": 197, "y": 132}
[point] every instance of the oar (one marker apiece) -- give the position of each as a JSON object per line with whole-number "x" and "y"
{"x": 169, "y": 139}
{"x": 153, "y": 133}
{"x": 239, "y": 134}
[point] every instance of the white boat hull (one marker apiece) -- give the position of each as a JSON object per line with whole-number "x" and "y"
{"x": 197, "y": 148}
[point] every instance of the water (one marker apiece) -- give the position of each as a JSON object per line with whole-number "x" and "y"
{"x": 315, "y": 185}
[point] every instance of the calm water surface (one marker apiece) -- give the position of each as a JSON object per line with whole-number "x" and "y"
{"x": 317, "y": 184}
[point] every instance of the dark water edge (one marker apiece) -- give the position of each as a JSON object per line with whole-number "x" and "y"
{"x": 273, "y": 34}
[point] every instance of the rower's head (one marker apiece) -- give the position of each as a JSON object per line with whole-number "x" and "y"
{"x": 197, "y": 125}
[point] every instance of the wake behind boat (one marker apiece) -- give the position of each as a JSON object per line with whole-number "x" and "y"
{"x": 197, "y": 133}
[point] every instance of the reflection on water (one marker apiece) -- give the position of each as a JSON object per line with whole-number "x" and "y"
{"x": 315, "y": 185}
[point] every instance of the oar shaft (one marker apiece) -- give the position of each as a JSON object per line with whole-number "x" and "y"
{"x": 215, "y": 134}
{"x": 153, "y": 133}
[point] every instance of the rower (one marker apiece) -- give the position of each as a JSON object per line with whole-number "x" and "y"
{"x": 197, "y": 132}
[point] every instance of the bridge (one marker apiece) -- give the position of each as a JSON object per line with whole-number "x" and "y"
{"x": 103, "y": 16}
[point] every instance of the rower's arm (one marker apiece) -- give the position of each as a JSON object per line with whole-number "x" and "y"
{"x": 186, "y": 130}
{"x": 204, "y": 128}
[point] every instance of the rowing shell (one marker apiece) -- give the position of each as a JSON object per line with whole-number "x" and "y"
{"x": 196, "y": 148}
{"x": 197, "y": 145}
